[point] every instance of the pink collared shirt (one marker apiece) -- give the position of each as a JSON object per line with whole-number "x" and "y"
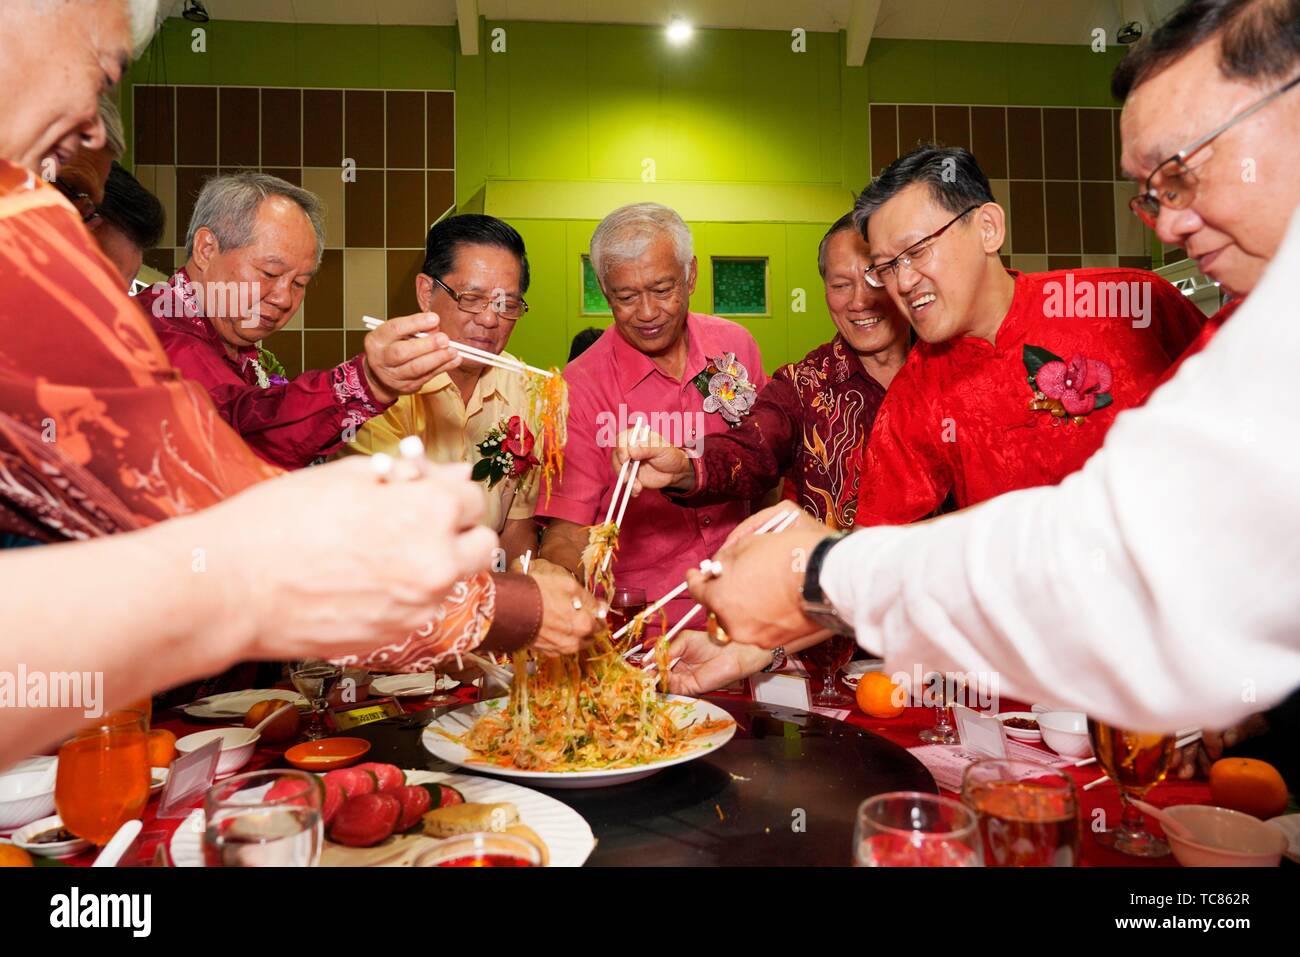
{"x": 611, "y": 386}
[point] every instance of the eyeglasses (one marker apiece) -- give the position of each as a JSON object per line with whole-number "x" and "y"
{"x": 507, "y": 307}
{"x": 1172, "y": 184}
{"x": 81, "y": 202}
{"x": 911, "y": 257}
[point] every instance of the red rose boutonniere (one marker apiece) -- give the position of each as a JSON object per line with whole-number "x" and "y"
{"x": 507, "y": 453}
{"x": 1072, "y": 390}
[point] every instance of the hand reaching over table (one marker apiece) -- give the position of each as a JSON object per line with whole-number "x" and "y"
{"x": 757, "y": 595}
{"x": 570, "y": 616}
{"x": 706, "y": 666}
{"x": 663, "y": 465}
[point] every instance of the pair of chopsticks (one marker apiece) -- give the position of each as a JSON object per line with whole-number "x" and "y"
{"x": 777, "y": 523}
{"x": 478, "y": 355}
{"x": 1178, "y": 746}
{"x": 623, "y": 486}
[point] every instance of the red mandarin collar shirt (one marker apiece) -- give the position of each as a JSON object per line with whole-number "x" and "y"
{"x": 957, "y": 417}
{"x": 611, "y": 386}
{"x": 287, "y": 423}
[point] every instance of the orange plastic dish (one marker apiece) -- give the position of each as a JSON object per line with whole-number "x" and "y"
{"x": 326, "y": 754}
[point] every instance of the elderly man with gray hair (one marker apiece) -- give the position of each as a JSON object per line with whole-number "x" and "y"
{"x": 683, "y": 373}
{"x": 253, "y": 245}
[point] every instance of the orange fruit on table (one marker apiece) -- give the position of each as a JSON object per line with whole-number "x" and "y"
{"x": 879, "y": 697}
{"x": 11, "y": 856}
{"x": 162, "y": 748}
{"x": 1249, "y": 785}
{"x": 282, "y": 728}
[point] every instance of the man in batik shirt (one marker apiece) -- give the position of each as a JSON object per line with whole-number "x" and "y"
{"x": 812, "y": 419}
{"x": 1015, "y": 377}
{"x": 254, "y": 243}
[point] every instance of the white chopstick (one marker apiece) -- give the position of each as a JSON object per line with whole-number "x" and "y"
{"x": 478, "y": 355}
{"x": 1178, "y": 746}
{"x": 624, "y": 486}
{"x": 524, "y": 559}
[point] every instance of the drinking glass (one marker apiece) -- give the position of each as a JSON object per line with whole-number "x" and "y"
{"x": 826, "y": 658}
{"x": 103, "y": 776}
{"x": 915, "y": 829}
{"x": 264, "y": 819}
{"x": 943, "y": 731}
{"x": 624, "y": 605}
{"x": 315, "y": 681}
{"x": 1028, "y": 813}
{"x": 1136, "y": 762}
{"x": 481, "y": 849}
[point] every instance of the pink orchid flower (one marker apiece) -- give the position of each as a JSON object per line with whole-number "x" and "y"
{"x": 1075, "y": 384}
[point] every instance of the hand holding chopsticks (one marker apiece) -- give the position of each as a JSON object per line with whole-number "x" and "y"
{"x": 481, "y": 356}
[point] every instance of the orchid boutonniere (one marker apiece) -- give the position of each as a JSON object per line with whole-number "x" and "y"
{"x": 726, "y": 388}
{"x": 1073, "y": 389}
{"x": 267, "y": 369}
{"x": 507, "y": 452}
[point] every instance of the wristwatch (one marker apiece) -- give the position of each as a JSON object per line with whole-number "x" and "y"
{"x": 815, "y": 606}
{"x": 778, "y": 660}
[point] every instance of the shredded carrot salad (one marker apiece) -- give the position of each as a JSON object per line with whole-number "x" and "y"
{"x": 548, "y": 415}
{"x": 584, "y": 712}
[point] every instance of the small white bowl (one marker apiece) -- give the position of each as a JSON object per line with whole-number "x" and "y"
{"x": 851, "y": 674}
{"x": 1020, "y": 734}
{"x": 237, "y": 746}
{"x": 1066, "y": 733}
{"x": 23, "y": 838}
{"x": 1224, "y": 838}
{"x": 23, "y": 800}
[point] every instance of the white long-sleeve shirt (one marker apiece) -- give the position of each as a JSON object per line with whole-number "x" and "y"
{"x": 1157, "y": 588}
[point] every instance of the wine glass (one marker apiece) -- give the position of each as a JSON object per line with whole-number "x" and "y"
{"x": 624, "y": 605}
{"x": 315, "y": 681}
{"x": 915, "y": 829}
{"x": 103, "y": 776}
{"x": 826, "y": 658}
{"x": 1028, "y": 813}
{"x": 943, "y": 731}
{"x": 1136, "y": 762}
{"x": 264, "y": 819}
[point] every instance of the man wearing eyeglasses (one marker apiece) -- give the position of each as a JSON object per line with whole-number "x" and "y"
{"x": 253, "y": 245}
{"x": 1015, "y": 377}
{"x": 474, "y": 277}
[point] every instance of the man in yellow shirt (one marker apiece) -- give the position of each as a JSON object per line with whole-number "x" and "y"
{"x": 474, "y": 277}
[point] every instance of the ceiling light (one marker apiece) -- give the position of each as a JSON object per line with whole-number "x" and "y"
{"x": 679, "y": 31}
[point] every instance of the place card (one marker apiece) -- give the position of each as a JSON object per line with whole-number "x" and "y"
{"x": 779, "y": 688}
{"x": 367, "y": 713}
{"x": 981, "y": 732}
{"x": 190, "y": 778}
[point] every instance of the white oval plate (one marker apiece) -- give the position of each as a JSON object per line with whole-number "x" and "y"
{"x": 852, "y": 673}
{"x": 566, "y": 833}
{"x": 1020, "y": 734}
{"x": 460, "y": 720}
{"x": 412, "y": 686}
{"x": 235, "y": 704}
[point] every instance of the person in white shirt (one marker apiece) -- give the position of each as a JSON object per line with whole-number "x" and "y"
{"x": 1157, "y": 588}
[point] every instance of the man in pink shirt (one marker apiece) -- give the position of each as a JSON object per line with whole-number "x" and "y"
{"x": 686, "y": 374}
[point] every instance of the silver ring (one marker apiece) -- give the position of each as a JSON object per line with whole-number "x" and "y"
{"x": 577, "y": 604}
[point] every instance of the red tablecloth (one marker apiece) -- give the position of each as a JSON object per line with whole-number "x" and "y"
{"x": 902, "y": 730}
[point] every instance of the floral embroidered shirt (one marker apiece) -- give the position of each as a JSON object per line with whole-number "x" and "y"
{"x": 809, "y": 426}
{"x": 957, "y": 417}
{"x": 287, "y": 423}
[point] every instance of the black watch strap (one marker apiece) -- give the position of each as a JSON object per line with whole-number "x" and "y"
{"x": 815, "y": 605}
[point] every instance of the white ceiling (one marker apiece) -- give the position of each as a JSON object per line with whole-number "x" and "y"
{"x": 1014, "y": 21}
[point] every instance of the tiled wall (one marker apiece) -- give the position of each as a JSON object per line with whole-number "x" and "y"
{"x": 1054, "y": 169}
{"x": 403, "y": 146}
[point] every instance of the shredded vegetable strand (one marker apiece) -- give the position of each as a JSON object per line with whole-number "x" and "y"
{"x": 548, "y": 416}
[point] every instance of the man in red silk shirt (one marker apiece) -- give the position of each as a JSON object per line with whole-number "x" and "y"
{"x": 1016, "y": 376}
{"x": 812, "y": 419}
{"x": 254, "y": 243}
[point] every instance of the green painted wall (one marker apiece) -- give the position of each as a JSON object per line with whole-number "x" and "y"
{"x": 592, "y": 103}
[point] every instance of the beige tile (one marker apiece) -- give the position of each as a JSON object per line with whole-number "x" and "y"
{"x": 1002, "y": 193}
{"x": 161, "y": 181}
{"x": 1131, "y": 237}
{"x": 298, "y": 317}
{"x": 327, "y": 184}
{"x": 365, "y": 286}
{"x": 1029, "y": 263}
{"x": 1100, "y": 262}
